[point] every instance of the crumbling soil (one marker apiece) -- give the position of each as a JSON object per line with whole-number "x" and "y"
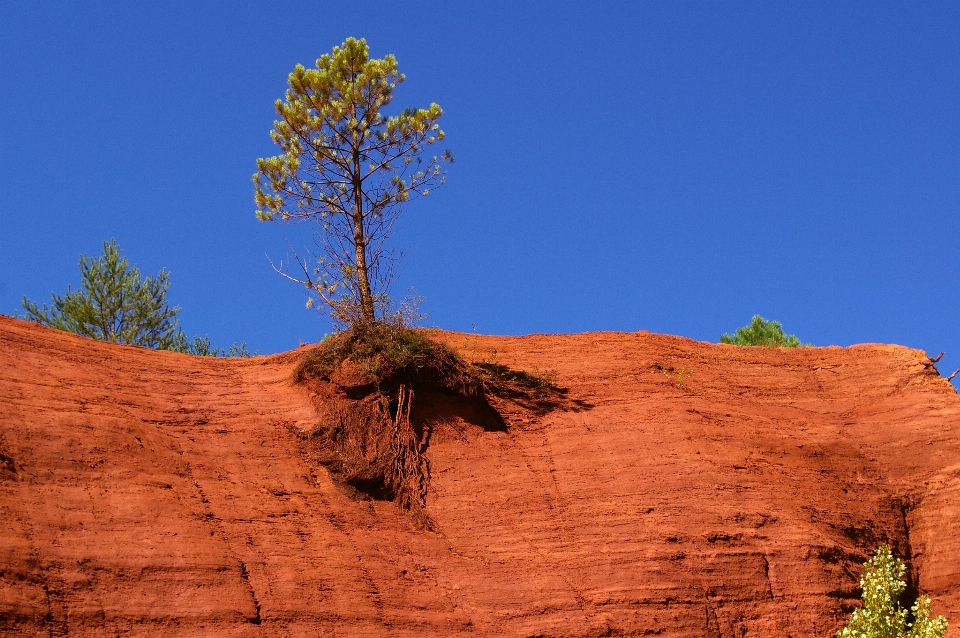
{"x": 372, "y": 435}
{"x": 152, "y": 493}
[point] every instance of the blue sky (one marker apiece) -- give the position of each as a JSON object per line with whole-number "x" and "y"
{"x": 673, "y": 167}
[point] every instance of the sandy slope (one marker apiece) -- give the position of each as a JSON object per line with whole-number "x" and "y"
{"x": 151, "y": 493}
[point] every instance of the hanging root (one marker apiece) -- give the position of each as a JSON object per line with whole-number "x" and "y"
{"x": 409, "y": 465}
{"x": 357, "y": 377}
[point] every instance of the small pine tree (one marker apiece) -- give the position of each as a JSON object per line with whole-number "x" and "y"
{"x": 881, "y": 615}
{"x": 113, "y": 304}
{"x": 761, "y": 332}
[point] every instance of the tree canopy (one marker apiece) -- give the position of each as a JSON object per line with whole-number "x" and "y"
{"x": 113, "y": 304}
{"x": 761, "y": 332}
{"x": 349, "y": 168}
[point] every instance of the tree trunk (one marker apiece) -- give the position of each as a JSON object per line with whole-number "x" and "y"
{"x": 360, "y": 245}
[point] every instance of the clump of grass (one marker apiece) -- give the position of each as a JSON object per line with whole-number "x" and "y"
{"x": 761, "y": 332}
{"x": 681, "y": 376}
{"x": 546, "y": 379}
{"x": 389, "y": 355}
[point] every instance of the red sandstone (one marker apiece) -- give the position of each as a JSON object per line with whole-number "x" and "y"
{"x": 152, "y": 493}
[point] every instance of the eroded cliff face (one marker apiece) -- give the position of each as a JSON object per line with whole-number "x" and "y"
{"x": 151, "y": 493}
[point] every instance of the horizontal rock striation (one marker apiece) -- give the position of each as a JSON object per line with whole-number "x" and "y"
{"x": 682, "y": 489}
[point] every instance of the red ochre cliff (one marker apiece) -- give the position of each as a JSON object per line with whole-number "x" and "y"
{"x": 153, "y": 493}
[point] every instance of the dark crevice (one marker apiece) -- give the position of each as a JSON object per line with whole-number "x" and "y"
{"x": 766, "y": 573}
{"x": 375, "y": 487}
{"x": 8, "y": 469}
{"x": 713, "y": 623}
{"x": 256, "y": 603}
{"x": 912, "y": 590}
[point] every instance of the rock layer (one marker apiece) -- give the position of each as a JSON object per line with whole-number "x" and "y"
{"x": 694, "y": 490}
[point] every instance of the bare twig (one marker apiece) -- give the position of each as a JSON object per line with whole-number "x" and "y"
{"x": 937, "y": 358}
{"x": 950, "y": 378}
{"x": 280, "y": 271}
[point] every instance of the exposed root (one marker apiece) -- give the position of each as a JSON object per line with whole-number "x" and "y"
{"x": 408, "y": 471}
{"x": 363, "y": 388}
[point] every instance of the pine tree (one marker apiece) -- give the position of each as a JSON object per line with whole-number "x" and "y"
{"x": 113, "y": 304}
{"x": 761, "y": 332}
{"x": 349, "y": 168}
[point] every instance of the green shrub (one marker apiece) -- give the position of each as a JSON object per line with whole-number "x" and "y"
{"x": 761, "y": 332}
{"x": 202, "y": 347}
{"x": 881, "y": 615}
{"x": 388, "y": 355}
